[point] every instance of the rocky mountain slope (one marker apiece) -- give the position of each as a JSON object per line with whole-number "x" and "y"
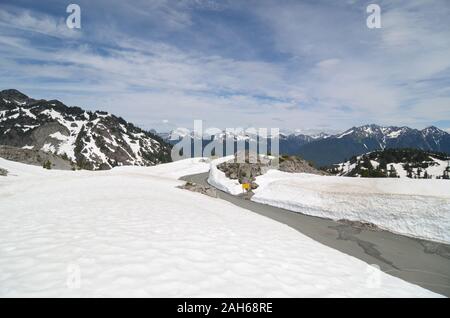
{"x": 36, "y": 157}
{"x": 92, "y": 140}
{"x": 411, "y": 163}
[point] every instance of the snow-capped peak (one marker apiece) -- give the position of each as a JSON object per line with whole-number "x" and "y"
{"x": 91, "y": 140}
{"x": 433, "y": 130}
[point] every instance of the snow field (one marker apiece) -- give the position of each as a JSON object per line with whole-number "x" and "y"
{"x": 131, "y": 232}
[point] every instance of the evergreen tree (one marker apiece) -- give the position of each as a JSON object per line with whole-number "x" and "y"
{"x": 47, "y": 165}
{"x": 409, "y": 173}
{"x": 383, "y": 164}
{"x": 446, "y": 175}
{"x": 392, "y": 172}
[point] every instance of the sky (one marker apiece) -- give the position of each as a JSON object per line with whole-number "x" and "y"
{"x": 310, "y": 65}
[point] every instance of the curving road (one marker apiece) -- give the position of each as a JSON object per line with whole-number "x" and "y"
{"x": 417, "y": 261}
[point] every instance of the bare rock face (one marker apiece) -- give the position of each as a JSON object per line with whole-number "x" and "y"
{"x": 35, "y": 157}
{"x": 295, "y": 164}
{"x": 194, "y": 187}
{"x": 42, "y": 135}
{"x": 244, "y": 172}
{"x": 3, "y": 172}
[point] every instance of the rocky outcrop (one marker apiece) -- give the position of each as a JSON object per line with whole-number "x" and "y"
{"x": 253, "y": 166}
{"x": 194, "y": 187}
{"x": 244, "y": 172}
{"x": 35, "y": 157}
{"x": 3, "y": 172}
{"x": 295, "y": 164}
{"x": 44, "y": 135}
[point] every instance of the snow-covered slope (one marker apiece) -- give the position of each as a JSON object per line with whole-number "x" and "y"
{"x": 130, "y": 232}
{"x": 94, "y": 140}
{"x": 418, "y": 208}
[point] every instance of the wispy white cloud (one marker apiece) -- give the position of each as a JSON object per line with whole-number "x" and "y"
{"x": 373, "y": 73}
{"x": 25, "y": 20}
{"x": 334, "y": 72}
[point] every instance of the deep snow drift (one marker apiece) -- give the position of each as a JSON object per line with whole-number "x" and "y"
{"x": 219, "y": 180}
{"x": 414, "y": 207}
{"x": 131, "y": 232}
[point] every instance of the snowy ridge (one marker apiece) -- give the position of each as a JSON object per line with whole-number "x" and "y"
{"x": 218, "y": 179}
{"x": 360, "y": 140}
{"x": 429, "y": 136}
{"x": 417, "y": 208}
{"x": 92, "y": 140}
{"x": 239, "y": 134}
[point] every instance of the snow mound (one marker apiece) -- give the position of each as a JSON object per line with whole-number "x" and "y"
{"x": 219, "y": 180}
{"x": 413, "y": 207}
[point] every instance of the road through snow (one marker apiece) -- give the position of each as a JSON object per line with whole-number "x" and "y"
{"x": 417, "y": 261}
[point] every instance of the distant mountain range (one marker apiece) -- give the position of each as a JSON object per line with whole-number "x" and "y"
{"x": 364, "y": 139}
{"x": 324, "y": 149}
{"x": 91, "y": 140}
{"x": 99, "y": 140}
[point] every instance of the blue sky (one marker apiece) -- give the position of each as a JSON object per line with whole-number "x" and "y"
{"x": 308, "y": 65}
